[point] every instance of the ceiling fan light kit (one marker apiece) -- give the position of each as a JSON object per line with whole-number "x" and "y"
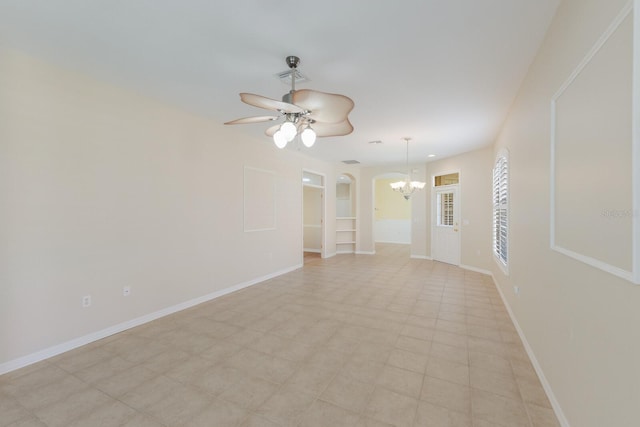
{"x": 307, "y": 113}
{"x": 407, "y": 187}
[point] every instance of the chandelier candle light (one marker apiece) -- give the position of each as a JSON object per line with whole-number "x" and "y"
{"x": 407, "y": 187}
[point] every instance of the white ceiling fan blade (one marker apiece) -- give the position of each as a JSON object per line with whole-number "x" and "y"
{"x": 269, "y": 104}
{"x": 324, "y": 107}
{"x": 332, "y": 129}
{"x": 272, "y": 130}
{"x": 256, "y": 119}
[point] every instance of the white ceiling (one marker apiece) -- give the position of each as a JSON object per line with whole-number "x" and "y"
{"x": 443, "y": 72}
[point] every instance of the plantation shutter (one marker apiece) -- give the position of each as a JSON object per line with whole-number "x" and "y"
{"x": 500, "y": 210}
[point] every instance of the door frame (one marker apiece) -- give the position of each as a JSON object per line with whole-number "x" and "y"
{"x": 323, "y": 210}
{"x": 434, "y": 210}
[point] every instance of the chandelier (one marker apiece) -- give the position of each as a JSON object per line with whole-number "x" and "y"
{"x": 407, "y": 187}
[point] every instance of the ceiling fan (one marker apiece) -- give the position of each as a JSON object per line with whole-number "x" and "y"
{"x": 306, "y": 112}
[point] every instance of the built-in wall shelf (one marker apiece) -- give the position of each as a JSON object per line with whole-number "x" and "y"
{"x": 345, "y": 234}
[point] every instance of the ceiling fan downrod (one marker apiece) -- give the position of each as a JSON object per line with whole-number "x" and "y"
{"x": 292, "y": 62}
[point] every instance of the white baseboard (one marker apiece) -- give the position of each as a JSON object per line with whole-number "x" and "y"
{"x": 315, "y": 251}
{"x": 55, "y": 350}
{"x": 329, "y": 255}
{"x": 477, "y": 270}
{"x": 428, "y": 258}
{"x": 562, "y": 419}
{"x": 365, "y": 253}
{"x": 345, "y": 252}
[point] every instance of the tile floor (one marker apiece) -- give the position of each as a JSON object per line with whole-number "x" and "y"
{"x": 353, "y": 340}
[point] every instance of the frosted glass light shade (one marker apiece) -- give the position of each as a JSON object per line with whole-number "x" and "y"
{"x": 289, "y": 130}
{"x": 308, "y": 137}
{"x": 279, "y": 139}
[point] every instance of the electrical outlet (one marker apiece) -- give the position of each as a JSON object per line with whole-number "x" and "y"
{"x": 126, "y": 291}
{"x": 516, "y": 290}
{"x": 86, "y": 301}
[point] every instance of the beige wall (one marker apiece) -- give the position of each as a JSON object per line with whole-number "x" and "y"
{"x": 390, "y": 204}
{"x": 581, "y": 323}
{"x": 101, "y": 188}
{"x": 475, "y": 204}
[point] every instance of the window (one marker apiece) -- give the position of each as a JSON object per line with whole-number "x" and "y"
{"x": 445, "y": 209}
{"x": 501, "y": 210}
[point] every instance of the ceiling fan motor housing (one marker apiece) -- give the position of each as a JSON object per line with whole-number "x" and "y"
{"x": 293, "y": 61}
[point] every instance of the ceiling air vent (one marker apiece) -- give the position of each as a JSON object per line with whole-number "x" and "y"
{"x": 285, "y": 77}
{"x": 351, "y": 162}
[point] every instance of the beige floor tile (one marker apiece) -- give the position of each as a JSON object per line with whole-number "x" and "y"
{"x": 541, "y": 416}
{"x": 451, "y": 326}
{"x": 244, "y": 337}
{"x": 268, "y": 343}
{"x": 125, "y": 381}
{"x": 533, "y": 392}
{"x": 487, "y": 346}
{"x": 449, "y": 338}
{"x": 218, "y": 413}
{"x": 446, "y": 394}
{"x": 150, "y": 392}
{"x": 257, "y": 421}
{"x": 141, "y": 420}
{"x": 81, "y": 358}
{"x": 179, "y": 406}
{"x": 263, "y": 366}
{"x": 65, "y": 411}
{"x": 503, "y": 385}
{"x": 391, "y": 407}
{"x": 166, "y": 360}
{"x": 408, "y": 360}
{"x": 401, "y": 381}
{"x": 418, "y": 332}
{"x": 322, "y": 414}
{"x": 190, "y": 370}
{"x": 362, "y": 369}
{"x": 373, "y": 351}
{"x": 450, "y": 353}
{"x": 312, "y": 378}
{"x": 497, "y": 409}
{"x": 249, "y": 392}
{"x": 105, "y": 369}
{"x": 413, "y": 344}
{"x": 287, "y": 406}
{"x": 11, "y": 411}
{"x": 326, "y": 333}
{"x": 328, "y": 359}
{"x": 370, "y": 422}
{"x": 295, "y": 351}
{"x": 30, "y": 378}
{"x": 112, "y": 413}
{"x": 220, "y": 350}
{"x": 217, "y": 379}
{"x": 348, "y": 393}
{"x": 28, "y": 422}
{"x": 135, "y": 349}
{"x": 429, "y": 415}
{"x": 448, "y": 371}
{"x": 490, "y": 362}
{"x": 48, "y": 394}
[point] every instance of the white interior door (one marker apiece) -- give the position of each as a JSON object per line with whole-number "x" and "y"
{"x": 446, "y": 225}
